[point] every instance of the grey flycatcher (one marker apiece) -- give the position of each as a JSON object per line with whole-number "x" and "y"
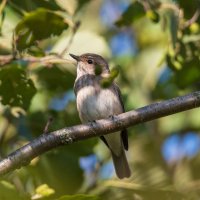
{"x": 95, "y": 102}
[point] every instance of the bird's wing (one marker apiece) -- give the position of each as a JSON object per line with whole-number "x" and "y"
{"x": 124, "y": 133}
{"x": 118, "y": 92}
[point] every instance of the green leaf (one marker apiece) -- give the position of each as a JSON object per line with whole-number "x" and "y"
{"x": 36, "y": 51}
{"x": 172, "y": 63}
{"x": 98, "y": 70}
{"x": 15, "y": 88}
{"x": 33, "y": 5}
{"x": 36, "y": 26}
{"x": 64, "y": 167}
{"x": 79, "y": 197}
{"x": 106, "y": 82}
{"x": 44, "y": 190}
{"x": 189, "y": 75}
{"x": 114, "y": 73}
{"x": 173, "y": 21}
{"x": 56, "y": 79}
{"x": 188, "y": 7}
{"x": 8, "y": 191}
{"x": 153, "y": 16}
{"x": 134, "y": 12}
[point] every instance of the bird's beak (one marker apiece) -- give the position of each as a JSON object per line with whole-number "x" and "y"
{"x": 77, "y": 58}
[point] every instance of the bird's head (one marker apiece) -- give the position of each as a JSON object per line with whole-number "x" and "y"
{"x": 90, "y": 63}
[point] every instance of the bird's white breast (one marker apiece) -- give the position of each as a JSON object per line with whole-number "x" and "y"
{"x": 97, "y": 103}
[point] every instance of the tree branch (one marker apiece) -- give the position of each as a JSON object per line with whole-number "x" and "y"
{"x": 50, "y": 59}
{"x": 46, "y": 142}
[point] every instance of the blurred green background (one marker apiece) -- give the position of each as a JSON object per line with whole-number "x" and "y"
{"x": 156, "y": 46}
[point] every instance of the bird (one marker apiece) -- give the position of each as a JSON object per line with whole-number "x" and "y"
{"x": 95, "y": 102}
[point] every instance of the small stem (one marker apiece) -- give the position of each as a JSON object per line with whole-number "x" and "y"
{"x": 146, "y": 5}
{"x": 74, "y": 30}
{"x": 2, "y": 5}
{"x": 3, "y": 135}
{"x": 17, "y": 8}
{"x": 193, "y": 19}
{"x": 46, "y": 128}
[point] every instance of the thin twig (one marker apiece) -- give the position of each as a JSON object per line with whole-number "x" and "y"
{"x": 74, "y": 30}
{"x": 17, "y": 8}
{"x": 193, "y": 18}
{"x": 46, "y": 142}
{"x": 132, "y": 186}
{"x": 3, "y": 135}
{"x": 46, "y": 128}
{"x": 146, "y": 5}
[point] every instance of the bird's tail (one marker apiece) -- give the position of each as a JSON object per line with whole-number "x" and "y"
{"x": 121, "y": 165}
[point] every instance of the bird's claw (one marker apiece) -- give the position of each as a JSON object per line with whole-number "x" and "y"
{"x": 112, "y": 117}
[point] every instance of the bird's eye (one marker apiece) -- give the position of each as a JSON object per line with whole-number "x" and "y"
{"x": 90, "y": 61}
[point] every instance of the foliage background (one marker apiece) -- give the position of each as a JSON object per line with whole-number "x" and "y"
{"x": 156, "y": 46}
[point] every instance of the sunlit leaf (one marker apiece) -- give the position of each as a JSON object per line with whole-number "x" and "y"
{"x": 153, "y": 15}
{"x": 15, "y": 88}
{"x": 173, "y": 63}
{"x": 114, "y": 72}
{"x": 194, "y": 28}
{"x": 36, "y": 26}
{"x": 44, "y": 190}
{"x": 106, "y": 82}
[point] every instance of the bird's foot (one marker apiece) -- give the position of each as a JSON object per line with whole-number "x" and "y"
{"x": 112, "y": 117}
{"x": 115, "y": 119}
{"x": 92, "y": 121}
{"x": 92, "y": 125}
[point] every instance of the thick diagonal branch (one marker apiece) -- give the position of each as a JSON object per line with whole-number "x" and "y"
{"x": 73, "y": 134}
